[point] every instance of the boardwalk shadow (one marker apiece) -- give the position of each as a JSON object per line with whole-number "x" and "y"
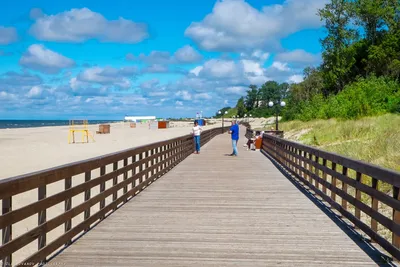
{"x": 378, "y": 257}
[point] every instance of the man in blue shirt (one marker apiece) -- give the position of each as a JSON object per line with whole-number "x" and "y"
{"x": 234, "y": 131}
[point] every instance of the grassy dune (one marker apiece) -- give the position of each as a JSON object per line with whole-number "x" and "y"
{"x": 375, "y": 140}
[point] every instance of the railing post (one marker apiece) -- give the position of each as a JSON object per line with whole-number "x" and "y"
{"x": 42, "y": 219}
{"x": 358, "y": 195}
{"x": 163, "y": 157}
{"x": 374, "y": 206}
{"x": 333, "y": 194}
{"x": 344, "y": 188}
{"x": 147, "y": 155}
{"x": 7, "y": 231}
{"x": 115, "y": 181}
{"x": 125, "y": 177}
{"x": 140, "y": 167}
{"x": 67, "y": 207}
{"x": 133, "y": 171}
{"x": 102, "y": 189}
{"x": 396, "y": 218}
{"x": 157, "y": 159}
{"x": 316, "y": 171}
{"x": 88, "y": 177}
{"x": 298, "y": 161}
{"x": 310, "y": 168}
{"x": 324, "y": 176}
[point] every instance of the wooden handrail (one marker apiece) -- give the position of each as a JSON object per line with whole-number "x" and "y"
{"x": 331, "y": 175}
{"x": 138, "y": 167}
{"x": 249, "y": 133}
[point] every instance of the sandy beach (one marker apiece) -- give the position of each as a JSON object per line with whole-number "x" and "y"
{"x": 27, "y": 150}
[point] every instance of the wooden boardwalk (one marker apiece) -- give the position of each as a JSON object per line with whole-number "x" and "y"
{"x": 216, "y": 210}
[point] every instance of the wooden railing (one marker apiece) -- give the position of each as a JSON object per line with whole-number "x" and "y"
{"x": 116, "y": 178}
{"x": 250, "y": 132}
{"x": 365, "y": 194}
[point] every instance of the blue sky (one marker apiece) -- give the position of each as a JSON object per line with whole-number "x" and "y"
{"x": 102, "y": 60}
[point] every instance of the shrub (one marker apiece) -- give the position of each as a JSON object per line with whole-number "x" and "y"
{"x": 366, "y": 97}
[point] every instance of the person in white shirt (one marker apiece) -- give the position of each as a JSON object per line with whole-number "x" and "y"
{"x": 196, "y": 133}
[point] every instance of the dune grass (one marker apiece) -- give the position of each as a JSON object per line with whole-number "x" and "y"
{"x": 374, "y": 139}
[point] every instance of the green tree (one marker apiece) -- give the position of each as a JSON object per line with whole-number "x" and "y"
{"x": 379, "y": 21}
{"x": 222, "y": 112}
{"x": 252, "y": 97}
{"x": 272, "y": 91}
{"x": 241, "y": 108}
{"x": 338, "y": 57}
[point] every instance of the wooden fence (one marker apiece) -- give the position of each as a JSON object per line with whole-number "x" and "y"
{"x": 130, "y": 172}
{"x": 250, "y": 132}
{"x": 365, "y": 194}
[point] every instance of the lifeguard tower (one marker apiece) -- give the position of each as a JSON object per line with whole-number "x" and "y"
{"x": 79, "y": 126}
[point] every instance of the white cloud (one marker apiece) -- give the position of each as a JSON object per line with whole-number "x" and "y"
{"x": 7, "y": 96}
{"x": 8, "y": 35}
{"x": 155, "y": 68}
{"x": 79, "y": 25}
{"x": 35, "y": 91}
{"x": 298, "y": 58}
{"x": 244, "y": 71}
{"x": 236, "y": 90}
{"x": 235, "y": 25}
{"x": 257, "y": 55}
{"x": 183, "y": 95}
{"x": 252, "y": 67}
{"x": 187, "y": 54}
{"x": 179, "y": 103}
{"x": 280, "y": 66}
{"x": 42, "y": 59}
{"x": 196, "y": 70}
{"x": 158, "y": 94}
{"x": 184, "y": 55}
{"x": 106, "y": 76}
{"x": 219, "y": 68}
{"x": 204, "y": 96}
{"x": 155, "y": 57}
{"x": 149, "y": 84}
{"x": 18, "y": 83}
{"x": 296, "y": 78}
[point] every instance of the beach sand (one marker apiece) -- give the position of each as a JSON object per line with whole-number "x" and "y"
{"x": 29, "y": 150}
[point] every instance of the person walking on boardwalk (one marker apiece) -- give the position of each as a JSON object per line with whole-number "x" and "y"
{"x": 234, "y": 132}
{"x": 196, "y": 133}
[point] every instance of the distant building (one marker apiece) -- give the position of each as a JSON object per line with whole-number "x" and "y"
{"x": 139, "y": 118}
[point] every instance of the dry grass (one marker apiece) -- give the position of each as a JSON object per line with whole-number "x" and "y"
{"x": 375, "y": 140}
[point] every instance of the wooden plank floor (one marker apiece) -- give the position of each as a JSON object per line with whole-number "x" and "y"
{"x": 215, "y": 210}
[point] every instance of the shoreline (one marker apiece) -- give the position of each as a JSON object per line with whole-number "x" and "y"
{"x": 24, "y": 126}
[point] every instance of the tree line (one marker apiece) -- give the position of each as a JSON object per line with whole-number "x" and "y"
{"x": 360, "y": 69}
